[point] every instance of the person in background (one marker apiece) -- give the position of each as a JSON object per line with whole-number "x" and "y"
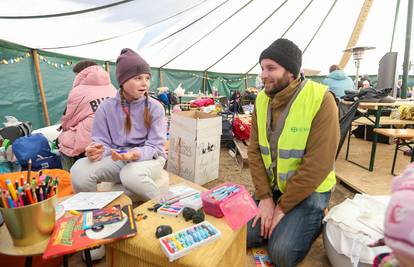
{"x": 235, "y": 102}
{"x": 259, "y": 83}
{"x": 365, "y": 84}
{"x": 365, "y": 77}
{"x": 399, "y": 223}
{"x": 399, "y": 86}
{"x": 128, "y": 136}
{"x": 91, "y": 87}
{"x": 164, "y": 97}
{"x": 293, "y": 143}
{"x": 338, "y": 81}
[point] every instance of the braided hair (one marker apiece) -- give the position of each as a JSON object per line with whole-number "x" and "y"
{"x": 125, "y": 109}
{"x": 147, "y": 117}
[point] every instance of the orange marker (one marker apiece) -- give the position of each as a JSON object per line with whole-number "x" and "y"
{"x": 3, "y": 184}
{"x": 21, "y": 180}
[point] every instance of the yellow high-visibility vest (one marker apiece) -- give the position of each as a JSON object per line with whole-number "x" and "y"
{"x": 291, "y": 144}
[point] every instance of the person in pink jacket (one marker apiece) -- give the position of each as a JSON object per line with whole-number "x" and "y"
{"x": 91, "y": 87}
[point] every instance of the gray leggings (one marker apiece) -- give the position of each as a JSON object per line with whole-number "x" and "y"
{"x": 137, "y": 178}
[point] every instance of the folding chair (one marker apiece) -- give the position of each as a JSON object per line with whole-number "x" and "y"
{"x": 347, "y": 114}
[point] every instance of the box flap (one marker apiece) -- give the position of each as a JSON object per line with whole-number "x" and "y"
{"x": 196, "y": 124}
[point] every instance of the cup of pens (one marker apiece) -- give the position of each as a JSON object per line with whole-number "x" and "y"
{"x": 28, "y": 209}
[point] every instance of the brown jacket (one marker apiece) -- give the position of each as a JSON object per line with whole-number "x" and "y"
{"x": 319, "y": 158}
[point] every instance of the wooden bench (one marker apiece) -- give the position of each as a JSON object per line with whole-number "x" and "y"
{"x": 405, "y": 137}
{"x": 241, "y": 153}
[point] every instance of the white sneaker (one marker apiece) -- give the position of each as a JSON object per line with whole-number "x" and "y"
{"x": 97, "y": 253}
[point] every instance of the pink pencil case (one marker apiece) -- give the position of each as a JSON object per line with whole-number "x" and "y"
{"x": 231, "y": 201}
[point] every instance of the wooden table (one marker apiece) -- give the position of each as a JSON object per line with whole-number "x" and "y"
{"x": 7, "y": 247}
{"x": 144, "y": 249}
{"x": 377, "y": 107}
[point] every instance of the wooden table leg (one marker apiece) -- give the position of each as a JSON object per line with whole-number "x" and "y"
{"x": 375, "y": 139}
{"x": 65, "y": 261}
{"x": 28, "y": 261}
{"x": 88, "y": 258}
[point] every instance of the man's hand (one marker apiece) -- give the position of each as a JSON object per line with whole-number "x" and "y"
{"x": 266, "y": 209}
{"x": 125, "y": 156}
{"x": 277, "y": 217}
{"x": 94, "y": 151}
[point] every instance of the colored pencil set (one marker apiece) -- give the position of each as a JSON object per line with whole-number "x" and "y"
{"x": 23, "y": 193}
{"x": 223, "y": 192}
{"x": 179, "y": 243}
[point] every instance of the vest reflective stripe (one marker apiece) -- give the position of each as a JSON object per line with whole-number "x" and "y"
{"x": 286, "y": 176}
{"x": 293, "y": 138}
{"x": 293, "y": 153}
{"x": 264, "y": 150}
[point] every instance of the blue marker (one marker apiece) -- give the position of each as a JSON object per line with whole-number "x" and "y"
{"x": 121, "y": 151}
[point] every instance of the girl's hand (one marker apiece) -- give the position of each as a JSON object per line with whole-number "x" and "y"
{"x": 125, "y": 155}
{"x": 94, "y": 151}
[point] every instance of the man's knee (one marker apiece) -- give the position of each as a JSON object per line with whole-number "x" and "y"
{"x": 284, "y": 253}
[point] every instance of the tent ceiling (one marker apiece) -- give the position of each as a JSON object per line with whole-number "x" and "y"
{"x": 218, "y": 35}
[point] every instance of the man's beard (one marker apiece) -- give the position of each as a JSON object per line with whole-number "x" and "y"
{"x": 280, "y": 84}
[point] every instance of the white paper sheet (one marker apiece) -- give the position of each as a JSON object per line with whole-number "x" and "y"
{"x": 90, "y": 200}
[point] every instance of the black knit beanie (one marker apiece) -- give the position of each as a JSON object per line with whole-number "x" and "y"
{"x": 285, "y": 53}
{"x": 130, "y": 64}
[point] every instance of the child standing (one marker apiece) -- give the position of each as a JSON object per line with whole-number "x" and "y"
{"x": 128, "y": 136}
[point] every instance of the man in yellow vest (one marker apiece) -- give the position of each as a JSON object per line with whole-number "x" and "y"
{"x": 293, "y": 143}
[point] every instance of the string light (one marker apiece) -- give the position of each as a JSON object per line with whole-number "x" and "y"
{"x": 56, "y": 64}
{"x": 223, "y": 80}
{"x": 14, "y": 59}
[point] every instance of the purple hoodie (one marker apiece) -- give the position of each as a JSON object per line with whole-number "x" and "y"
{"x": 108, "y": 127}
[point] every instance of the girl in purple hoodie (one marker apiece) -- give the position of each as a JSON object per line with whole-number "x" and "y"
{"x": 128, "y": 136}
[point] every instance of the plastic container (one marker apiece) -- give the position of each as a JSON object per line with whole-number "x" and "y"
{"x": 231, "y": 201}
{"x": 180, "y": 243}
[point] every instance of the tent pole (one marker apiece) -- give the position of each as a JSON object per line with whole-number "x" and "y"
{"x": 107, "y": 66}
{"x": 397, "y": 7}
{"x": 41, "y": 89}
{"x": 160, "y": 78}
{"x": 204, "y": 82}
{"x": 363, "y": 14}
{"x": 245, "y": 82}
{"x": 406, "y": 64}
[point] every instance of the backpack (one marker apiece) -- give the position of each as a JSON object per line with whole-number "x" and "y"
{"x": 241, "y": 130}
{"x": 35, "y": 147}
{"x": 16, "y": 131}
{"x": 173, "y": 98}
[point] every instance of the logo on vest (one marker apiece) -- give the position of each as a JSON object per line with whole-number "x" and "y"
{"x": 295, "y": 129}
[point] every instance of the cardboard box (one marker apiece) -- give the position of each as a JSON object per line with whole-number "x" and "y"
{"x": 195, "y": 124}
{"x": 194, "y": 151}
